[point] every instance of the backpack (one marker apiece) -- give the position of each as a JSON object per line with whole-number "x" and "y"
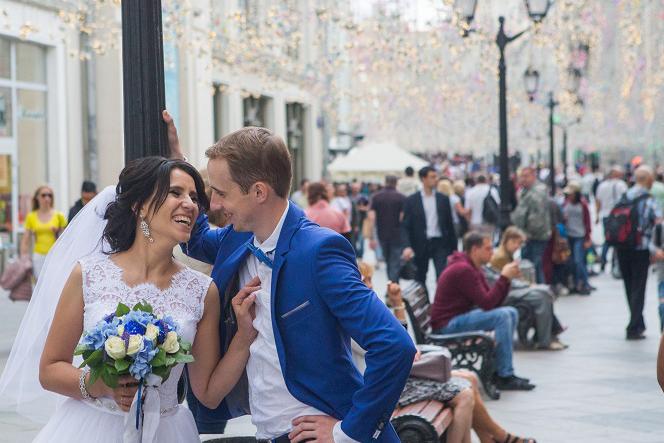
{"x": 622, "y": 228}
{"x": 490, "y": 209}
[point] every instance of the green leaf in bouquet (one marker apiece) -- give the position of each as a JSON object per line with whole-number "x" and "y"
{"x": 159, "y": 359}
{"x": 185, "y": 345}
{"x": 110, "y": 376}
{"x": 95, "y": 372}
{"x": 92, "y": 358}
{"x": 121, "y": 310}
{"x": 170, "y": 361}
{"x": 143, "y": 306}
{"x": 122, "y": 365}
{"x": 162, "y": 371}
{"x": 80, "y": 349}
{"x": 181, "y": 357}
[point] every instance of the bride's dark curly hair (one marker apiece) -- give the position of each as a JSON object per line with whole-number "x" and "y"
{"x": 141, "y": 180}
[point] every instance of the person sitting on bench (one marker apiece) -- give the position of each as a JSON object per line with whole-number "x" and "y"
{"x": 464, "y": 302}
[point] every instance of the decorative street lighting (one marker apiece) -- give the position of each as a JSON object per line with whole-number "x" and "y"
{"x": 574, "y": 79}
{"x": 465, "y": 10}
{"x": 531, "y": 82}
{"x": 537, "y": 9}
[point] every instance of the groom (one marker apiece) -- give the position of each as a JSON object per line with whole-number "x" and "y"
{"x": 302, "y": 384}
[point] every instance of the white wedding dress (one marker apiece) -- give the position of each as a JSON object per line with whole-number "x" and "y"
{"x": 102, "y": 421}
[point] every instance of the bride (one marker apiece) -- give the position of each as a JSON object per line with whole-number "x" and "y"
{"x": 154, "y": 208}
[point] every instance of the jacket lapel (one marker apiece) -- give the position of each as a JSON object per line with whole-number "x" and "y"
{"x": 292, "y": 223}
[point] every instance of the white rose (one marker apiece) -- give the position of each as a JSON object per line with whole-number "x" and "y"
{"x": 135, "y": 344}
{"x": 120, "y": 330}
{"x": 151, "y": 332}
{"x": 171, "y": 344}
{"x": 115, "y": 347}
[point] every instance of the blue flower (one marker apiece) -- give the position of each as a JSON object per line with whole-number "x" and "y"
{"x": 171, "y": 323}
{"x": 96, "y": 337}
{"x": 163, "y": 330}
{"x": 140, "y": 317}
{"x": 141, "y": 366}
{"x": 134, "y": 327}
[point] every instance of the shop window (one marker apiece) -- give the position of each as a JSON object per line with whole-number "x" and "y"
{"x": 30, "y": 63}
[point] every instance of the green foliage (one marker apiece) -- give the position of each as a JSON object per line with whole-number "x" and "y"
{"x": 122, "y": 366}
{"x": 92, "y": 357}
{"x": 143, "y": 306}
{"x": 121, "y": 310}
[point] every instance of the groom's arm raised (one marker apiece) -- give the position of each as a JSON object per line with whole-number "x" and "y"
{"x": 204, "y": 242}
{"x": 390, "y": 350}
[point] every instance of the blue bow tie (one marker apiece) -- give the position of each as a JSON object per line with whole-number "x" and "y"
{"x": 260, "y": 255}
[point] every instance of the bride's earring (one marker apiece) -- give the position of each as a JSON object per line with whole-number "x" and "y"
{"x": 146, "y": 230}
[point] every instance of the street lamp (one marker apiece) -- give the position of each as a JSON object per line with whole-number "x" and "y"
{"x": 531, "y": 82}
{"x": 537, "y": 10}
{"x": 465, "y": 10}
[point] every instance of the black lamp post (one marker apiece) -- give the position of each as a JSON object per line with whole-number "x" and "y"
{"x": 143, "y": 79}
{"x": 552, "y": 167}
{"x": 537, "y": 10}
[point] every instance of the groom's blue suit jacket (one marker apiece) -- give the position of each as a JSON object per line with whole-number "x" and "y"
{"x": 318, "y": 303}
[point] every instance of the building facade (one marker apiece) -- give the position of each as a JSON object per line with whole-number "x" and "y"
{"x": 61, "y": 108}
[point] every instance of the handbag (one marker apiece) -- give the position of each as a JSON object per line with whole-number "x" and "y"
{"x": 435, "y": 365}
{"x": 561, "y": 251}
{"x": 16, "y": 279}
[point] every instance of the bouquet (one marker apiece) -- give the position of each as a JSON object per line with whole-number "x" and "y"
{"x": 132, "y": 341}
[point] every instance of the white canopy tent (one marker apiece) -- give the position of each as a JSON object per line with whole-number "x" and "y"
{"x": 372, "y": 161}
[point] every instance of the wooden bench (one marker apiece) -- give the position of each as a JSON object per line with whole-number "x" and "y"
{"x": 422, "y": 422}
{"x": 474, "y": 350}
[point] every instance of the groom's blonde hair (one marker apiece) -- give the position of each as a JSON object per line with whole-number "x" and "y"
{"x": 255, "y": 154}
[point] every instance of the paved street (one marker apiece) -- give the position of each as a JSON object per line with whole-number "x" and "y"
{"x": 602, "y": 389}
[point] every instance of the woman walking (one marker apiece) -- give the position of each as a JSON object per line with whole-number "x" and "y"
{"x": 43, "y": 225}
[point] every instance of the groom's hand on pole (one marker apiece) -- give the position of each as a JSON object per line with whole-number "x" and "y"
{"x": 319, "y": 428}
{"x": 173, "y": 139}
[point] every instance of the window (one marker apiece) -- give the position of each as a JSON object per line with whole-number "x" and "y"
{"x": 30, "y": 63}
{"x": 5, "y": 54}
{"x": 255, "y": 111}
{"x": 5, "y": 112}
{"x": 295, "y": 113}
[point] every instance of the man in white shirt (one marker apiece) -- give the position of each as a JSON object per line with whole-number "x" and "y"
{"x": 427, "y": 229}
{"x": 608, "y": 194}
{"x": 475, "y": 198}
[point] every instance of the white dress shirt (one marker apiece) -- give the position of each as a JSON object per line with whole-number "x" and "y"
{"x": 273, "y": 407}
{"x": 431, "y": 215}
{"x": 475, "y": 201}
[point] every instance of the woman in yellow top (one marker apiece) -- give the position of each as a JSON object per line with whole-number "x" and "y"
{"x": 43, "y": 225}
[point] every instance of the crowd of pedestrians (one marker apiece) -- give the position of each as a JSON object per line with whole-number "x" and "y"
{"x": 548, "y": 251}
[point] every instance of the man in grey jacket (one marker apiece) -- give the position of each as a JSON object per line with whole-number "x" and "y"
{"x": 532, "y": 215}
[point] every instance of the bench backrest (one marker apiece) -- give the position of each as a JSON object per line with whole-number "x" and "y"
{"x": 416, "y": 299}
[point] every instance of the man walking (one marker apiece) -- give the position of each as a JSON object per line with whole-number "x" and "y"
{"x": 427, "y": 229}
{"x": 483, "y": 214}
{"x": 634, "y": 260}
{"x": 386, "y": 208}
{"x": 608, "y": 194}
{"x": 302, "y": 384}
{"x": 532, "y": 215}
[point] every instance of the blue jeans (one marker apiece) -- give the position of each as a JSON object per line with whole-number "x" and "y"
{"x": 533, "y": 250}
{"x": 661, "y": 305}
{"x": 502, "y": 320}
{"x": 579, "y": 260}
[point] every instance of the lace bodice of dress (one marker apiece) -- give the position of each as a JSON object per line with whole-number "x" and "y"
{"x": 104, "y": 287}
